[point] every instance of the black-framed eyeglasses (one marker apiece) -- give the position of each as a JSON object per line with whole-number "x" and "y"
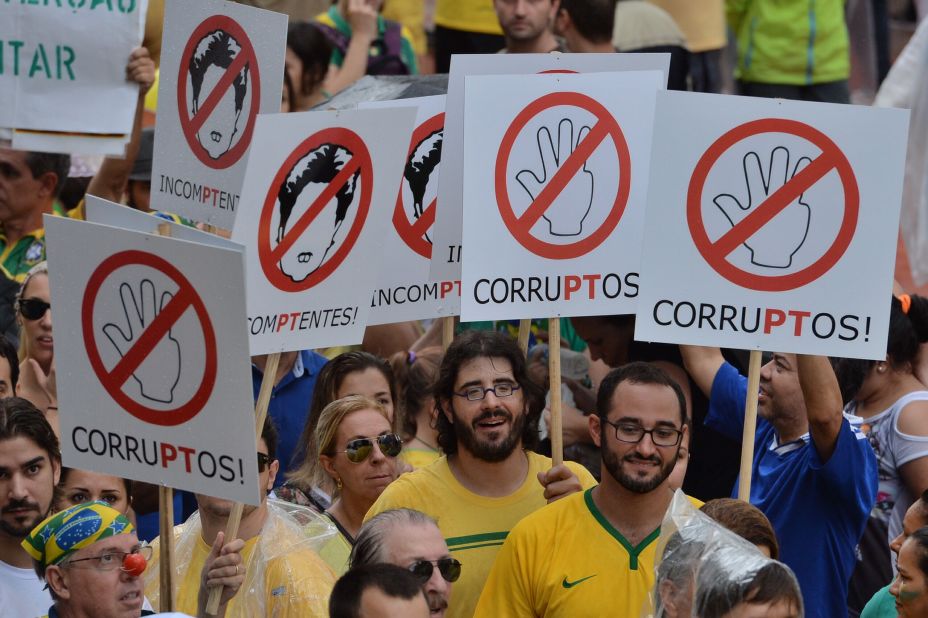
{"x": 450, "y": 569}
{"x": 478, "y": 393}
{"x": 263, "y": 462}
{"x": 360, "y": 449}
{"x": 112, "y": 560}
{"x": 33, "y": 308}
{"x": 632, "y": 433}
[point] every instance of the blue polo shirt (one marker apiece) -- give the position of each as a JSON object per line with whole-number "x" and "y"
{"x": 818, "y": 509}
{"x": 289, "y": 405}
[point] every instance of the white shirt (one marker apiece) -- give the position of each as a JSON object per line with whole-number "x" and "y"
{"x": 22, "y": 594}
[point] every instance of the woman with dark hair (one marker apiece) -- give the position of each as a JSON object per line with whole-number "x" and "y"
{"x": 351, "y": 373}
{"x": 307, "y": 63}
{"x": 911, "y": 585}
{"x": 415, "y": 374}
{"x": 80, "y": 486}
{"x": 894, "y": 406}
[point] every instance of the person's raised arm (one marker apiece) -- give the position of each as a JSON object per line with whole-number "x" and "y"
{"x": 110, "y": 181}
{"x": 702, "y": 364}
{"x": 822, "y": 397}
{"x": 362, "y": 17}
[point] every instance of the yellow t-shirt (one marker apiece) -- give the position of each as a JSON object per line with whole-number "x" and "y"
{"x": 568, "y": 560}
{"x": 702, "y": 22}
{"x": 473, "y": 526}
{"x": 336, "y": 552}
{"x": 418, "y": 458}
{"x": 467, "y": 15}
{"x": 281, "y": 581}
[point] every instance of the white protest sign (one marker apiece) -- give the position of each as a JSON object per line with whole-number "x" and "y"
{"x": 403, "y": 290}
{"x": 222, "y": 63}
{"x": 106, "y": 212}
{"x": 154, "y": 380}
{"x": 771, "y": 225}
{"x": 555, "y": 183}
{"x": 58, "y": 75}
{"x": 446, "y": 258}
{"x": 319, "y": 191}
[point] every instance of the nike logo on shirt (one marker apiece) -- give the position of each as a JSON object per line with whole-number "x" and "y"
{"x": 569, "y": 585}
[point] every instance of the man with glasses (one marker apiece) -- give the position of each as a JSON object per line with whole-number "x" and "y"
{"x": 814, "y": 472}
{"x": 593, "y": 553}
{"x": 489, "y": 479}
{"x": 411, "y": 540}
{"x": 284, "y": 576}
{"x": 92, "y": 562}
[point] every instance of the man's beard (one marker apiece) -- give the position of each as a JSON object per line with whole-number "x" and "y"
{"x": 637, "y": 484}
{"x": 22, "y": 530}
{"x": 490, "y": 451}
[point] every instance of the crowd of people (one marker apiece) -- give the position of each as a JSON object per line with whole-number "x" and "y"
{"x": 406, "y": 478}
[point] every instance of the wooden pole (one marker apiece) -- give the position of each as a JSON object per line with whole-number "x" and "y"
{"x": 166, "y": 523}
{"x": 447, "y": 331}
{"x": 166, "y": 547}
{"x": 235, "y": 517}
{"x": 750, "y": 427}
{"x": 525, "y": 331}
{"x": 554, "y": 386}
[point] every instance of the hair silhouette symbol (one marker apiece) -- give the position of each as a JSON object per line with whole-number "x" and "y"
{"x": 419, "y": 169}
{"x": 311, "y": 174}
{"x": 214, "y": 54}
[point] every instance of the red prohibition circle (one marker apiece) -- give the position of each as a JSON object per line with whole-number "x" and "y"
{"x": 413, "y": 233}
{"x": 190, "y": 126}
{"x": 715, "y": 257}
{"x": 113, "y": 383}
{"x": 361, "y": 160}
{"x": 517, "y": 227}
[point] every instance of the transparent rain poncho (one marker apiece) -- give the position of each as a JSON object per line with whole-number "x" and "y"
{"x": 284, "y": 576}
{"x": 706, "y": 571}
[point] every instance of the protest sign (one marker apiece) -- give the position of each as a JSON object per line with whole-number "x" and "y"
{"x": 109, "y": 213}
{"x": 319, "y": 192}
{"x": 222, "y": 64}
{"x": 63, "y": 86}
{"x": 156, "y": 382}
{"x": 404, "y": 291}
{"x": 446, "y": 258}
{"x": 555, "y": 181}
{"x": 772, "y": 225}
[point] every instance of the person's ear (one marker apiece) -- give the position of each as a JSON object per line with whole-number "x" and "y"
{"x": 595, "y": 429}
{"x": 56, "y": 471}
{"x": 328, "y": 464}
{"x": 444, "y": 407}
{"x": 272, "y": 469}
{"x": 57, "y": 581}
{"x": 47, "y": 183}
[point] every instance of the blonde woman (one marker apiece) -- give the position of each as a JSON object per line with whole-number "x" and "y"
{"x": 352, "y": 457}
{"x": 36, "y": 344}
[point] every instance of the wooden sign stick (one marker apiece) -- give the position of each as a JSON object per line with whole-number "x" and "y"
{"x": 554, "y": 386}
{"x": 750, "y": 427}
{"x": 235, "y": 517}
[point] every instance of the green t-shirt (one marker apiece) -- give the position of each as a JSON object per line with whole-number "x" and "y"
{"x": 333, "y": 19}
{"x": 882, "y": 605}
{"x": 19, "y": 258}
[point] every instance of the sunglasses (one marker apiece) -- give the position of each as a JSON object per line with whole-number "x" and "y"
{"x": 33, "y": 308}
{"x": 263, "y": 462}
{"x": 449, "y": 568}
{"x": 360, "y": 449}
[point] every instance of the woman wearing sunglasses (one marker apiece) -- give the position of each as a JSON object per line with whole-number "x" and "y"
{"x": 354, "y": 461}
{"x": 36, "y": 345}
{"x": 351, "y": 373}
